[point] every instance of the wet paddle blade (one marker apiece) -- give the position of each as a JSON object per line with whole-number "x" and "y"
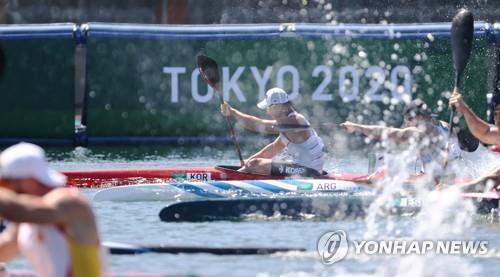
{"x": 462, "y": 33}
{"x": 467, "y": 141}
{"x": 462, "y": 30}
{"x": 209, "y": 70}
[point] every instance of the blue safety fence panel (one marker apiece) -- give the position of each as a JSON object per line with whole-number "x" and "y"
{"x": 37, "y": 87}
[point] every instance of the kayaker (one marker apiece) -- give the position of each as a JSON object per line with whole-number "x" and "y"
{"x": 304, "y": 145}
{"x": 52, "y": 226}
{"x": 486, "y": 133}
{"x": 419, "y": 127}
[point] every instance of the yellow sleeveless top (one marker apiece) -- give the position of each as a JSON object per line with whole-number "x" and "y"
{"x": 85, "y": 259}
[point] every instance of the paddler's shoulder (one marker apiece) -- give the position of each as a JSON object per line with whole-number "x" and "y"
{"x": 68, "y": 198}
{"x": 69, "y": 192}
{"x": 295, "y": 118}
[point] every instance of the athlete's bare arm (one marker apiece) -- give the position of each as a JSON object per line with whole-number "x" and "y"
{"x": 480, "y": 183}
{"x": 251, "y": 122}
{"x": 61, "y": 207}
{"x": 492, "y": 136}
{"x": 378, "y": 132}
{"x": 27, "y": 208}
{"x": 485, "y": 132}
{"x": 8, "y": 243}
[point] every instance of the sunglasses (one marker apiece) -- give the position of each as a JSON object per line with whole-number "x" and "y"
{"x": 269, "y": 107}
{"x": 496, "y": 112}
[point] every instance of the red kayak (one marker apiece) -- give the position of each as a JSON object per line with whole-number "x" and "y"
{"x": 127, "y": 176}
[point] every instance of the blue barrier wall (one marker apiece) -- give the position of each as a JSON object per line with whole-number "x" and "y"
{"x": 142, "y": 79}
{"x": 37, "y": 87}
{"x": 142, "y": 85}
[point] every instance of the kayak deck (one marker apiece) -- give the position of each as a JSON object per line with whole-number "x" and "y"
{"x": 126, "y": 176}
{"x": 176, "y": 191}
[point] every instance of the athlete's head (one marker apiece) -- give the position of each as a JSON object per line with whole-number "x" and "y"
{"x": 417, "y": 111}
{"x": 276, "y": 103}
{"x": 24, "y": 169}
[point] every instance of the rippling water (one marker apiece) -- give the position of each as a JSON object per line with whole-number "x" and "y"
{"x": 138, "y": 222}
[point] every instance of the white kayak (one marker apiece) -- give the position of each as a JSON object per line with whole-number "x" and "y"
{"x": 226, "y": 189}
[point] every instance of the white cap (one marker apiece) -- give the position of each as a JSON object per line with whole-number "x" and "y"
{"x": 26, "y": 160}
{"x": 273, "y": 96}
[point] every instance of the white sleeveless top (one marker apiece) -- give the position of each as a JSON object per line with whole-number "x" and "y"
{"x": 308, "y": 153}
{"x": 46, "y": 249}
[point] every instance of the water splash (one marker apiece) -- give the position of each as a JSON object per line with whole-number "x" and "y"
{"x": 444, "y": 215}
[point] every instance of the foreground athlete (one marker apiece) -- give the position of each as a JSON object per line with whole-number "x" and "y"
{"x": 304, "y": 145}
{"x": 420, "y": 127}
{"x": 52, "y": 226}
{"x": 486, "y": 133}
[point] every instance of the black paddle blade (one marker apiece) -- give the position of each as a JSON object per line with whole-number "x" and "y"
{"x": 467, "y": 141}
{"x": 462, "y": 31}
{"x": 209, "y": 70}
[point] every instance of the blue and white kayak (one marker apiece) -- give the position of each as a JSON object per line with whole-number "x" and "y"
{"x": 226, "y": 189}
